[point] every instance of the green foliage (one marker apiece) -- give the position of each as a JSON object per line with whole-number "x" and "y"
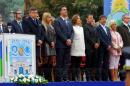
{"x": 6, "y": 6}
{"x": 82, "y": 7}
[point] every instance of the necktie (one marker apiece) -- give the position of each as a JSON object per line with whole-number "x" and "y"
{"x": 66, "y": 22}
{"x": 20, "y": 26}
{"x": 35, "y": 21}
{"x": 128, "y": 27}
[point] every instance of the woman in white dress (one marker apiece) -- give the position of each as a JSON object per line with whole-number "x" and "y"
{"x": 78, "y": 47}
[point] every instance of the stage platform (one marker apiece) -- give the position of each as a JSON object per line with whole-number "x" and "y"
{"x": 71, "y": 84}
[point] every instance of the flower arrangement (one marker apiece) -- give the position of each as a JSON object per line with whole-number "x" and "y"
{"x": 29, "y": 79}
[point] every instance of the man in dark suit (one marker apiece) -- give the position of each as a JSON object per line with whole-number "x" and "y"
{"x": 3, "y": 27}
{"x": 33, "y": 26}
{"x": 105, "y": 45}
{"x": 124, "y": 30}
{"x": 64, "y": 35}
{"x": 17, "y": 24}
{"x": 91, "y": 48}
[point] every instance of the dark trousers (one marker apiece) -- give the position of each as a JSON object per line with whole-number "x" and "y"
{"x": 122, "y": 72}
{"x": 44, "y": 69}
{"x": 63, "y": 62}
{"x": 92, "y": 64}
{"x": 89, "y": 63}
{"x": 75, "y": 66}
{"x": 47, "y": 67}
{"x": 104, "y": 64}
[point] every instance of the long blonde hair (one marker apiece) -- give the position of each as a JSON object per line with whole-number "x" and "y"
{"x": 45, "y": 16}
{"x": 44, "y": 19}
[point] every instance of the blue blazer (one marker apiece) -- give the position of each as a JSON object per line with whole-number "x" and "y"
{"x": 105, "y": 39}
{"x": 63, "y": 32}
{"x": 16, "y": 27}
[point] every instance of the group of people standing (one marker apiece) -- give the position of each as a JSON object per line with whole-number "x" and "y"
{"x": 63, "y": 44}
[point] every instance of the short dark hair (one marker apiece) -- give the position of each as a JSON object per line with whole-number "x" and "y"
{"x": 60, "y": 8}
{"x": 126, "y": 14}
{"x": 32, "y": 9}
{"x": 17, "y": 11}
{"x": 89, "y": 15}
{"x": 102, "y": 16}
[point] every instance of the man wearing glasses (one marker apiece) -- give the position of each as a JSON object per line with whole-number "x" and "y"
{"x": 124, "y": 30}
{"x": 17, "y": 24}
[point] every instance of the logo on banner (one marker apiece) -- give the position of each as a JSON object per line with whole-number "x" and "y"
{"x": 115, "y": 9}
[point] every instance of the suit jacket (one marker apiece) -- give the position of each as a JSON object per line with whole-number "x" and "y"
{"x": 116, "y": 43}
{"x": 91, "y": 36}
{"x": 124, "y": 32}
{"x": 63, "y": 32}
{"x": 36, "y": 28}
{"x": 5, "y": 28}
{"x": 105, "y": 39}
{"x": 16, "y": 27}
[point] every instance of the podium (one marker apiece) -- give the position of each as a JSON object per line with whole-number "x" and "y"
{"x": 17, "y": 55}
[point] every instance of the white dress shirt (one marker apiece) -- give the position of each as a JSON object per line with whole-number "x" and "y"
{"x": 1, "y": 28}
{"x": 104, "y": 28}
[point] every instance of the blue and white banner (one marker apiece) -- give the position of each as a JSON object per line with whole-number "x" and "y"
{"x": 20, "y": 54}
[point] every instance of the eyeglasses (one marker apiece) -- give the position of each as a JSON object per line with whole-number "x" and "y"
{"x": 18, "y": 13}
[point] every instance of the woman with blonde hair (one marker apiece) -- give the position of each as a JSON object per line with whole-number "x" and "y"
{"x": 47, "y": 22}
{"x": 115, "y": 51}
{"x": 78, "y": 47}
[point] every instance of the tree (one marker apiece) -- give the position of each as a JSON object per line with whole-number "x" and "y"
{"x": 7, "y": 7}
{"x": 82, "y": 7}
